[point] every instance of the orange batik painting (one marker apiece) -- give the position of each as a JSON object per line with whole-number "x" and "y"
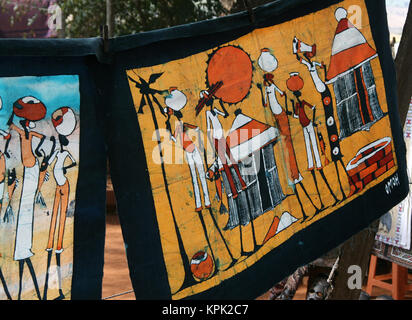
{"x": 250, "y": 142}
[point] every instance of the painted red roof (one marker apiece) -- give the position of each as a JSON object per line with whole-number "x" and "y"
{"x": 248, "y": 135}
{"x": 350, "y": 49}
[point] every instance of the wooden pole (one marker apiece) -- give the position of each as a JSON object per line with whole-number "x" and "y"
{"x": 403, "y": 67}
{"x": 110, "y": 18}
{"x": 249, "y": 9}
{"x": 62, "y": 31}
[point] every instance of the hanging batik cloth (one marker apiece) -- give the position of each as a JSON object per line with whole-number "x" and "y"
{"x": 52, "y": 170}
{"x": 242, "y": 150}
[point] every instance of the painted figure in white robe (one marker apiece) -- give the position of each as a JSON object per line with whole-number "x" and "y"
{"x": 64, "y": 121}
{"x": 30, "y": 109}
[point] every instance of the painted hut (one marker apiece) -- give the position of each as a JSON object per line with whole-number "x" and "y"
{"x": 251, "y": 143}
{"x": 352, "y": 77}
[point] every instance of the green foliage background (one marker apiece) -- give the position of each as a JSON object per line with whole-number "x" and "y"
{"x": 84, "y": 17}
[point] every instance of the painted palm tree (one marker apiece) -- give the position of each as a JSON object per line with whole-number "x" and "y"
{"x": 148, "y": 98}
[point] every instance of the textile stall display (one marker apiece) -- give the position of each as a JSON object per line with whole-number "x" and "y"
{"x": 395, "y": 226}
{"x": 393, "y": 239}
{"x": 394, "y": 254}
{"x": 240, "y": 148}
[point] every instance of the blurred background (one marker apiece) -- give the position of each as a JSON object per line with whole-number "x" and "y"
{"x": 83, "y": 18}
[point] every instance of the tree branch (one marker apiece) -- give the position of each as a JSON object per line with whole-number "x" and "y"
{"x": 403, "y": 67}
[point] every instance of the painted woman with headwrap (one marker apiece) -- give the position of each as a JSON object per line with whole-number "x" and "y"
{"x": 30, "y": 110}
{"x": 64, "y": 121}
{"x": 268, "y": 63}
{"x": 300, "y": 47}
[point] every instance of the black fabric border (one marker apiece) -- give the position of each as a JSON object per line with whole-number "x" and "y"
{"x": 133, "y": 193}
{"x": 90, "y": 215}
{"x": 53, "y": 47}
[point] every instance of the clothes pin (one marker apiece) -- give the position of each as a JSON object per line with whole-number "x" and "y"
{"x": 250, "y": 11}
{"x": 104, "y": 33}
